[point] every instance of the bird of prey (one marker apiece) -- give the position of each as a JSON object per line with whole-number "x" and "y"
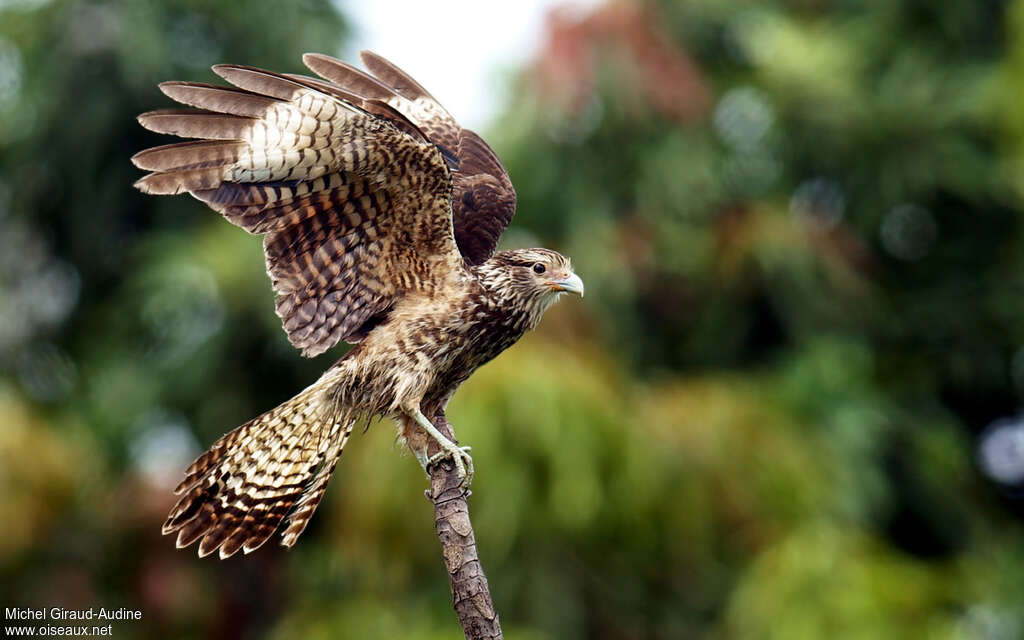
{"x": 380, "y": 217}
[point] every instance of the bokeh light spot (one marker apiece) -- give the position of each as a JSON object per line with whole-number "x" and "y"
{"x": 164, "y": 446}
{"x": 818, "y": 203}
{"x": 909, "y": 231}
{"x": 10, "y": 72}
{"x": 743, "y": 117}
{"x": 1001, "y": 451}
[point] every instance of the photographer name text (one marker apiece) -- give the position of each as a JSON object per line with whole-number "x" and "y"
{"x": 60, "y": 613}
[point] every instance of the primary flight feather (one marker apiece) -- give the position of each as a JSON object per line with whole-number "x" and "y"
{"x": 380, "y": 218}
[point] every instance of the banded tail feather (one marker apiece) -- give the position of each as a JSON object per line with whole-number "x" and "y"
{"x": 270, "y": 470}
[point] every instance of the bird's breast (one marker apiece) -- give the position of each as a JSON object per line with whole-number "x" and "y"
{"x": 430, "y": 345}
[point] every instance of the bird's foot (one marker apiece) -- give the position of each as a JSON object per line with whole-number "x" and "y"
{"x": 460, "y": 456}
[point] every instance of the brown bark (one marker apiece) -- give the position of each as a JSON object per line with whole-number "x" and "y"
{"x": 470, "y": 596}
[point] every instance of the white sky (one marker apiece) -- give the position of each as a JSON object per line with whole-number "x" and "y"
{"x": 456, "y": 49}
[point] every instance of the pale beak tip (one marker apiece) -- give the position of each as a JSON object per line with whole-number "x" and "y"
{"x": 570, "y": 284}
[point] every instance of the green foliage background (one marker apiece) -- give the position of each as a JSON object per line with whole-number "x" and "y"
{"x": 804, "y": 307}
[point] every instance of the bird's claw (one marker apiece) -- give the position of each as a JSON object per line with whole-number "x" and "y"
{"x": 460, "y": 456}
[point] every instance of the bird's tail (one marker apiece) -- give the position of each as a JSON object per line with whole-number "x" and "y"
{"x": 273, "y": 467}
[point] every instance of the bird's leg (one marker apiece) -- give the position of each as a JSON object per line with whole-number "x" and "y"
{"x": 460, "y": 455}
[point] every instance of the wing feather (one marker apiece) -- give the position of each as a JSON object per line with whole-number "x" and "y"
{"x": 350, "y": 78}
{"x": 358, "y": 88}
{"x": 219, "y": 99}
{"x": 483, "y": 198}
{"x": 207, "y": 125}
{"x": 330, "y": 177}
{"x": 414, "y": 101}
{"x": 259, "y": 81}
{"x": 172, "y": 183}
{"x": 189, "y": 155}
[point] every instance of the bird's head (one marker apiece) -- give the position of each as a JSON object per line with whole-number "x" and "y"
{"x": 533, "y": 279}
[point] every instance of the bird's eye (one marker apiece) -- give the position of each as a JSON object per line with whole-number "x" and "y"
{"x": 538, "y": 268}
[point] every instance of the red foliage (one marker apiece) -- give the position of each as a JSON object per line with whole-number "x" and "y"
{"x": 655, "y": 68}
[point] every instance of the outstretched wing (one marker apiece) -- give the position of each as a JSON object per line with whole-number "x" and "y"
{"x": 483, "y": 199}
{"x": 354, "y": 201}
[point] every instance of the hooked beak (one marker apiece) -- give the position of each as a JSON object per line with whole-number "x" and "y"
{"x": 570, "y": 284}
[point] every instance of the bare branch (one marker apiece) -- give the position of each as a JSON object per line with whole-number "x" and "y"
{"x": 470, "y": 594}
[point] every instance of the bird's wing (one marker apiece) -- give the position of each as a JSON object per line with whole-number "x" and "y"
{"x": 353, "y": 199}
{"x": 483, "y": 199}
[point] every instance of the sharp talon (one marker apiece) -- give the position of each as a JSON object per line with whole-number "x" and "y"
{"x": 460, "y": 456}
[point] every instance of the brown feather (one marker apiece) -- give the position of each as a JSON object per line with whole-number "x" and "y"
{"x": 188, "y": 155}
{"x": 227, "y": 501}
{"x": 484, "y": 200}
{"x": 259, "y": 81}
{"x": 194, "y": 529}
{"x": 348, "y": 77}
{"x": 270, "y": 206}
{"x": 358, "y": 88}
{"x": 196, "y": 124}
{"x": 175, "y": 182}
{"x": 220, "y": 99}
{"x": 238, "y": 537}
{"x": 398, "y": 80}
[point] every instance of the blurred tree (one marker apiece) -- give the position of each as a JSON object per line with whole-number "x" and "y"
{"x": 838, "y": 227}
